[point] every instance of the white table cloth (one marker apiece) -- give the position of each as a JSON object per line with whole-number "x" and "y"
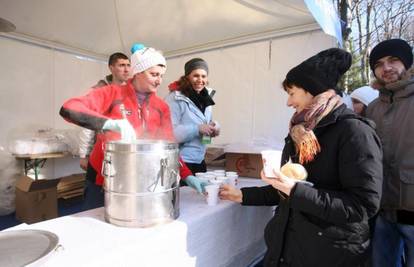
{"x": 224, "y": 235}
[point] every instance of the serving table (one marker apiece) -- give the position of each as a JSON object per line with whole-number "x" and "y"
{"x": 227, "y": 234}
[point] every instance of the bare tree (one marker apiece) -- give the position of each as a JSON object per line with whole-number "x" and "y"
{"x": 372, "y": 21}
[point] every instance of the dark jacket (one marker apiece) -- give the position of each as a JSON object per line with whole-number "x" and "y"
{"x": 326, "y": 225}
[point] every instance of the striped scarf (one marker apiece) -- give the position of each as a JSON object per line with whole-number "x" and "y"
{"x": 302, "y": 124}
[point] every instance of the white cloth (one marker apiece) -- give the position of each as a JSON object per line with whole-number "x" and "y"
{"x": 224, "y": 235}
{"x": 86, "y": 142}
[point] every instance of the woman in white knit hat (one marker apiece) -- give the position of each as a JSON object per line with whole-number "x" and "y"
{"x": 361, "y": 97}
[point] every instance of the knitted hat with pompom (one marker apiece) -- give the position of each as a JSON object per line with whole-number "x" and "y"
{"x": 143, "y": 58}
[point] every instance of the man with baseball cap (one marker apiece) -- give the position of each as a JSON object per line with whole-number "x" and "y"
{"x": 127, "y": 111}
{"x": 393, "y": 112}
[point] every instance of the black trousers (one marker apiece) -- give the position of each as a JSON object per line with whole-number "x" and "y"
{"x": 90, "y": 173}
{"x": 197, "y": 167}
{"x": 94, "y": 194}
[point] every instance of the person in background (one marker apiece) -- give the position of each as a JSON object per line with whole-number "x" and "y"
{"x": 361, "y": 97}
{"x": 127, "y": 111}
{"x": 393, "y": 112}
{"x": 119, "y": 66}
{"x": 324, "y": 224}
{"x": 190, "y": 101}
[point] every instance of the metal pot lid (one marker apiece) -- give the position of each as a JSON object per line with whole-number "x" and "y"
{"x": 22, "y": 247}
{"x": 140, "y": 145}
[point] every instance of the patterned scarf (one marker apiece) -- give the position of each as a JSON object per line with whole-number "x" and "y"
{"x": 302, "y": 124}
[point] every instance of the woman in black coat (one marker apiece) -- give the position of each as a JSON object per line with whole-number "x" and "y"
{"x": 327, "y": 224}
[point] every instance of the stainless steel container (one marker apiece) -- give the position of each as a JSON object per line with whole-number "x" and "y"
{"x": 141, "y": 183}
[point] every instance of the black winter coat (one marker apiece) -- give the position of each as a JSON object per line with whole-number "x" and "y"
{"x": 327, "y": 224}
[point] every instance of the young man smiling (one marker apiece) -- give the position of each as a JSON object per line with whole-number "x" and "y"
{"x": 393, "y": 113}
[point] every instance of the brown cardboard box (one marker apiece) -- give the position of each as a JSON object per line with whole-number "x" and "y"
{"x": 36, "y": 200}
{"x": 215, "y": 156}
{"x": 71, "y": 186}
{"x": 245, "y": 164}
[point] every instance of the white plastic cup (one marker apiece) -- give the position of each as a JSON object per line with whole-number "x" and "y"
{"x": 222, "y": 179}
{"x": 271, "y": 161}
{"x": 200, "y": 174}
{"x": 216, "y": 125}
{"x": 220, "y": 172}
{"x": 215, "y": 182}
{"x": 204, "y": 179}
{"x": 232, "y": 180}
{"x": 209, "y": 177}
{"x": 212, "y": 194}
{"x": 231, "y": 173}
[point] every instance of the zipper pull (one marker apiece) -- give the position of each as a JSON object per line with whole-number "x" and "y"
{"x": 123, "y": 111}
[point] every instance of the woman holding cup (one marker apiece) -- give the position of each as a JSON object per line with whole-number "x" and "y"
{"x": 325, "y": 224}
{"x": 190, "y": 103}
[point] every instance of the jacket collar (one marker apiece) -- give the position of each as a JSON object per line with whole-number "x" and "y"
{"x": 342, "y": 113}
{"x": 399, "y": 89}
{"x": 180, "y": 97}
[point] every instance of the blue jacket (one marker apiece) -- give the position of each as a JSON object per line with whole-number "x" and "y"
{"x": 186, "y": 117}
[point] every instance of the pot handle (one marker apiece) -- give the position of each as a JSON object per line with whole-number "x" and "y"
{"x": 164, "y": 165}
{"x": 107, "y": 169}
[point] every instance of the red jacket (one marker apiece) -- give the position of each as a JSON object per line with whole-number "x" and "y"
{"x": 151, "y": 120}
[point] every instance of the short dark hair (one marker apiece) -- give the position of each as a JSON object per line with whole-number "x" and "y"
{"x": 286, "y": 84}
{"x": 114, "y": 58}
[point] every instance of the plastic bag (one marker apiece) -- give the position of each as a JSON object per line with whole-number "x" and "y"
{"x": 43, "y": 141}
{"x": 9, "y": 173}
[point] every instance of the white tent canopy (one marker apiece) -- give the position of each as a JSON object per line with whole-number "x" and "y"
{"x": 99, "y": 27}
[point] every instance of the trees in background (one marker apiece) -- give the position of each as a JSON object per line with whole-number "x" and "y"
{"x": 368, "y": 22}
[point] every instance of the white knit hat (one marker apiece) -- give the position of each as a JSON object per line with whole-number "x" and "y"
{"x": 364, "y": 94}
{"x": 145, "y": 58}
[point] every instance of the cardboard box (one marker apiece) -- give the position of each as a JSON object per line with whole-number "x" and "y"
{"x": 245, "y": 164}
{"x": 36, "y": 200}
{"x": 72, "y": 186}
{"x": 215, "y": 156}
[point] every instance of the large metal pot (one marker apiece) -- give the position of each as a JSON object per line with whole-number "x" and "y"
{"x": 141, "y": 183}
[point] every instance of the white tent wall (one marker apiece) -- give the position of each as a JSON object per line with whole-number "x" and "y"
{"x": 34, "y": 83}
{"x": 250, "y": 102}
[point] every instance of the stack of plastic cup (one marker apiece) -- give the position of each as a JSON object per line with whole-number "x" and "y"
{"x": 220, "y": 172}
{"x": 222, "y": 179}
{"x": 202, "y": 176}
{"x": 209, "y": 177}
{"x": 230, "y": 173}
